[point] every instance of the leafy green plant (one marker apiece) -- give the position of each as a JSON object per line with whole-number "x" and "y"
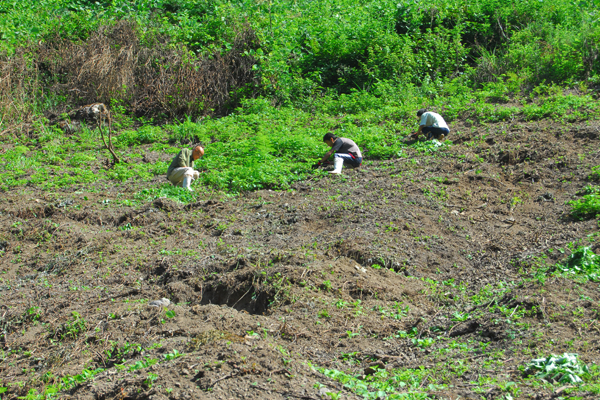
{"x": 65, "y": 383}
{"x": 173, "y": 355}
{"x": 583, "y": 261}
{"x": 586, "y": 207}
{"x": 72, "y": 328}
{"x": 423, "y": 343}
{"x": 34, "y": 313}
{"x": 589, "y": 189}
{"x": 392, "y": 384}
{"x": 152, "y": 377}
{"x": 595, "y": 175}
{"x": 352, "y": 334}
{"x": 410, "y": 334}
{"x": 565, "y": 369}
{"x": 460, "y": 317}
{"x": 119, "y": 352}
{"x": 397, "y": 312}
{"x": 141, "y": 364}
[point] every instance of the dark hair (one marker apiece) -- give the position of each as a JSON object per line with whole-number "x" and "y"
{"x": 421, "y": 112}
{"x": 329, "y": 136}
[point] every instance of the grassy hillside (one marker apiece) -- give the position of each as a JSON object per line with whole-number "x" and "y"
{"x": 283, "y": 72}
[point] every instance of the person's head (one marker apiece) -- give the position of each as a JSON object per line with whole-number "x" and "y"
{"x": 329, "y": 138}
{"x": 197, "y": 152}
{"x": 421, "y": 112}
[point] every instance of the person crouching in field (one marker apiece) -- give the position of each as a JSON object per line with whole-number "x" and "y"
{"x": 346, "y": 152}
{"x": 432, "y": 124}
{"x": 181, "y": 171}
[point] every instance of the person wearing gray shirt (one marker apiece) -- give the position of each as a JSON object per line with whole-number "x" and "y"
{"x": 346, "y": 152}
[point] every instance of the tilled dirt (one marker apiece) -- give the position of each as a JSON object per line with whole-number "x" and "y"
{"x": 268, "y": 286}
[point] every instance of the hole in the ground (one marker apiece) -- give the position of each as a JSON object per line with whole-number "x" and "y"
{"x": 249, "y": 298}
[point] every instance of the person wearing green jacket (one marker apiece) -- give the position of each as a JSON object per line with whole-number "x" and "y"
{"x": 181, "y": 171}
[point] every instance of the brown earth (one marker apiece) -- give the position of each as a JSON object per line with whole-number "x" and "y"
{"x": 399, "y": 244}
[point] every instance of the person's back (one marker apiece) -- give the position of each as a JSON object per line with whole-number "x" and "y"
{"x": 431, "y": 124}
{"x": 433, "y": 119}
{"x": 346, "y": 146}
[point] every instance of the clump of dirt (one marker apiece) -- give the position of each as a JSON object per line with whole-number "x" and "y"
{"x": 430, "y": 265}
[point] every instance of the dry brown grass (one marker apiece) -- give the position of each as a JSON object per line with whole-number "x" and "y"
{"x": 150, "y": 80}
{"x": 154, "y": 78}
{"x": 19, "y": 86}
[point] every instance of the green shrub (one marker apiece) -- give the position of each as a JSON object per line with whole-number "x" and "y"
{"x": 331, "y": 45}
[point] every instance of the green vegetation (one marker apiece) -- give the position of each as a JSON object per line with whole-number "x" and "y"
{"x": 71, "y": 329}
{"x": 259, "y": 84}
{"x": 565, "y": 369}
{"x": 304, "y": 68}
{"x": 595, "y": 175}
{"x": 588, "y": 206}
{"x": 384, "y": 384}
{"x": 65, "y": 383}
{"x": 583, "y": 261}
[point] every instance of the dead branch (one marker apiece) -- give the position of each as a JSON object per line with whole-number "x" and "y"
{"x": 109, "y": 146}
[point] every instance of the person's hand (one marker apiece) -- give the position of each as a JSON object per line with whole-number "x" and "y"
{"x": 317, "y": 165}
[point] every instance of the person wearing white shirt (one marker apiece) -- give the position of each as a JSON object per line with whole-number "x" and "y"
{"x": 432, "y": 124}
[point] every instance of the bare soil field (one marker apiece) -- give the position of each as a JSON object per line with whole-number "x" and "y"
{"x": 425, "y": 267}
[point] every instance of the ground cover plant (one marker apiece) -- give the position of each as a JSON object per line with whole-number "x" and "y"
{"x": 466, "y": 268}
{"x": 565, "y": 368}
